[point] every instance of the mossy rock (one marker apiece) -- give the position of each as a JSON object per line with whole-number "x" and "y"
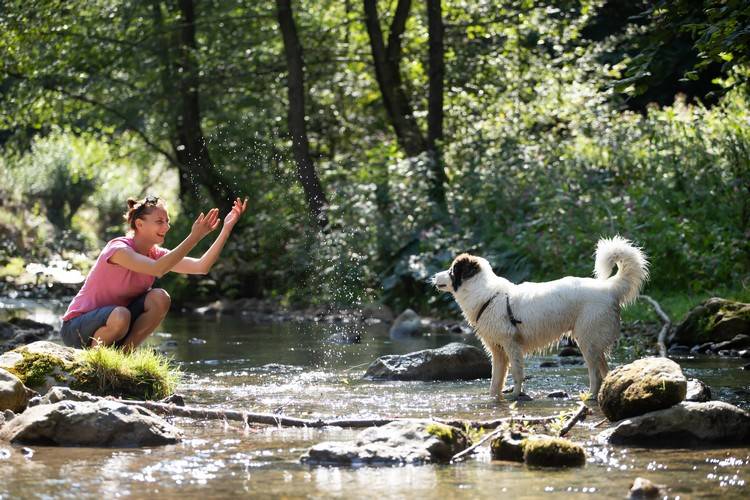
{"x": 645, "y": 385}
{"x": 508, "y": 446}
{"x": 553, "y": 452}
{"x": 142, "y": 374}
{"x": 714, "y": 320}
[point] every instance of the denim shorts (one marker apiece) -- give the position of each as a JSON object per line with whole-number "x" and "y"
{"x": 77, "y": 332}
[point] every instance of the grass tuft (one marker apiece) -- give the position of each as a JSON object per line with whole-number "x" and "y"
{"x": 141, "y": 374}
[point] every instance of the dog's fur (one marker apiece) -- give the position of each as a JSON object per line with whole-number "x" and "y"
{"x": 588, "y": 309}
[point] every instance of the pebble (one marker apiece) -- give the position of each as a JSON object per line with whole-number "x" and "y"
{"x": 196, "y": 340}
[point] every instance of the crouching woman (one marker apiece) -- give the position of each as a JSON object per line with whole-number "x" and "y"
{"x": 116, "y": 304}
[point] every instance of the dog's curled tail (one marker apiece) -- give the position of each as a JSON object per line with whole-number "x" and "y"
{"x": 632, "y": 267}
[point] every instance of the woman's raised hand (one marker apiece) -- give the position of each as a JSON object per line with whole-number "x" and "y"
{"x": 234, "y": 215}
{"x": 204, "y": 224}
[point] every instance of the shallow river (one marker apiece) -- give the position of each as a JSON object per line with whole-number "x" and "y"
{"x": 293, "y": 369}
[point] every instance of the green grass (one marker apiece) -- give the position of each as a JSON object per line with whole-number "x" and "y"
{"x": 677, "y": 303}
{"x": 141, "y": 374}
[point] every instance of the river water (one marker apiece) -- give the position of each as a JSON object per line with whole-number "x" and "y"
{"x": 294, "y": 368}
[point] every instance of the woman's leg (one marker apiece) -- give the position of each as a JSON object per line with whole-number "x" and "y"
{"x": 115, "y": 329}
{"x": 156, "y": 306}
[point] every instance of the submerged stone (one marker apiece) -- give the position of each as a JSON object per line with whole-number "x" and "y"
{"x": 399, "y": 442}
{"x": 643, "y": 489}
{"x": 640, "y": 387}
{"x": 455, "y": 361}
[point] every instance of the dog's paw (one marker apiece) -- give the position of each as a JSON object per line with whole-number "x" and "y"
{"x": 520, "y": 397}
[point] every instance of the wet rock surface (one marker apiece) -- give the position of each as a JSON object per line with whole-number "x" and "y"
{"x": 686, "y": 424}
{"x": 640, "y": 387}
{"x": 51, "y": 365}
{"x": 99, "y": 423}
{"x": 643, "y": 489}
{"x": 455, "y": 361}
{"x": 401, "y": 442}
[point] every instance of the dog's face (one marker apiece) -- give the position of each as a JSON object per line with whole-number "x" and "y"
{"x": 465, "y": 267}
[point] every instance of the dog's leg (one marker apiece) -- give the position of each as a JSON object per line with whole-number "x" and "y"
{"x": 516, "y": 369}
{"x": 499, "y": 370}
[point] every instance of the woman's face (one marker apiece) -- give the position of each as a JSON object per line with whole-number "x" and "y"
{"x": 153, "y": 225}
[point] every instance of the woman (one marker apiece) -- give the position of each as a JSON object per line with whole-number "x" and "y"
{"x": 116, "y": 305}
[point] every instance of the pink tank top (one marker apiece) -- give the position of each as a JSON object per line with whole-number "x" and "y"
{"x": 109, "y": 284}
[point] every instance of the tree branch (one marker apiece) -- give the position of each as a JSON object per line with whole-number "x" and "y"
{"x": 667, "y": 324}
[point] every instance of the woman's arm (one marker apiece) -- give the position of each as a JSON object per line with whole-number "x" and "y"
{"x": 130, "y": 259}
{"x": 189, "y": 265}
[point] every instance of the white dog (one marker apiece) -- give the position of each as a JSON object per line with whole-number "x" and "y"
{"x": 514, "y": 319}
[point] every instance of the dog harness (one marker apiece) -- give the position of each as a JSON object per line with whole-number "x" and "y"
{"x": 511, "y": 318}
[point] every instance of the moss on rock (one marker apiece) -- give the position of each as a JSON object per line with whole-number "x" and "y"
{"x": 36, "y": 368}
{"x": 553, "y": 452}
{"x": 714, "y": 320}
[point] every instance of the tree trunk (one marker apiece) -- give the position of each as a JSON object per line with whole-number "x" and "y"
{"x": 438, "y": 179}
{"x": 387, "y": 71}
{"x": 316, "y": 199}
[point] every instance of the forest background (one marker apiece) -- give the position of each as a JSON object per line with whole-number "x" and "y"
{"x": 378, "y": 139}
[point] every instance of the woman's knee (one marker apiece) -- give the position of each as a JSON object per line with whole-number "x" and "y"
{"x": 158, "y": 298}
{"x": 119, "y": 319}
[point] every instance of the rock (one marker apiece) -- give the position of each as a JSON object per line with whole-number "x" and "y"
{"x": 740, "y": 341}
{"x": 18, "y": 332}
{"x": 196, "y": 341}
{"x": 553, "y": 452}
{"x": 6, "y": 331}
{"x": 83, "y": 423}
{"x": 714, "y": 320}
{"x": 697, "y": 391}
{"x": 548, "y": 364}
{"x": 558, "y": 395}
{"x": 345, "y": 338}
{"x": 640, "y": 387}
{"x": 407, "y": 324}
{"x": 682, "y": 425}
{"x": 746, "y": 367}
{"x": 13, "y": 394}
{"x": 377, "y": 311}
{"x": 455, "y": 361}
{"x": 744, "y": 353}
{"x": 569, "y": 351}
{"x": 41, "y": 365}
{"x": 57, "y": 394}
{"x": 400, "y": 442}
{"x": 643, "y": 489}
{"x": 508, "y": 446}
{"x": 573, "y": 360}
{"x": 702, "y": 348}
{"x": 174, "y": 399}
{"x": 678, "y": 350}
{"x": 216, "y": 308}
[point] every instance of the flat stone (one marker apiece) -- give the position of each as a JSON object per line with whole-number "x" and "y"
{"x": 642, "y": 386}
{"x": 401, "y": 442}
{"x": 101, "y": 423}
{"x": 455, "y": 361}
{"x": 682, "y": 425}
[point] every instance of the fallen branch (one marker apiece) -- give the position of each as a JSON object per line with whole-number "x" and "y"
{"x": 460, "y": 455}
{"x": 583, "y": 410}
{"x": 666, "y": 324}
{"x": 284, "y": 421}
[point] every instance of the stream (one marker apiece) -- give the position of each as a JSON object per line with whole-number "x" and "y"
{"x": 294, "y": 369}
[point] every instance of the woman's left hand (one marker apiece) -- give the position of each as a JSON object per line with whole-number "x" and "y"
{"x": 238, "y": 209}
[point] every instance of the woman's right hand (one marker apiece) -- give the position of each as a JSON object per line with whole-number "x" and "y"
{"x": 204, "y": 224}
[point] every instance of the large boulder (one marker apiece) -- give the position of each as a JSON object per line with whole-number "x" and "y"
{"x": 686, "y": 424}
{"x": 714, "y": 320}
{"x": 82, "y": 423}
{"x": 455, "y": 361}
{"x": 401, "y": 442}
{"x": 41, "y": 365}
{"x": 642, "y": 386}
{"x": 13, "y": 394}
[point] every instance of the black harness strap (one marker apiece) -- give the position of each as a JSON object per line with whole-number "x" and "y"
{"x": 513, "y": 320}
{"x": 484, "y": 306}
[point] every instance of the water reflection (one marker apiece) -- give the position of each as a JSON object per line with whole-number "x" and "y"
{"x": 294, "y": 369}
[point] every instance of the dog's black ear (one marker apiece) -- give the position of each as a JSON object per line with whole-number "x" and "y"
{"x": 464, "y": 267}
